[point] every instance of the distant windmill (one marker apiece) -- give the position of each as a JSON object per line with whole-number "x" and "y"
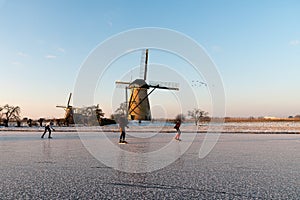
{"x": 69, "y": 119}
{"x": 138, "y": 104}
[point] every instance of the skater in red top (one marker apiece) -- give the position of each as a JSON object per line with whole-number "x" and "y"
{"x": 177, "y": 127}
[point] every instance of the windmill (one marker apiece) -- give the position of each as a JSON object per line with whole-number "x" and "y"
{"x": 69, "y": 112}
{"x": 138, "y": 103}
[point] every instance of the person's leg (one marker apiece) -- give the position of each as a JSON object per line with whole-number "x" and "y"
{"x": 49, "y": 136}
{"x": 121, "y": 135}
{"x": 176, "y": 136}
{"x": 178, "y": 133}
{"x": 44, "y": 132}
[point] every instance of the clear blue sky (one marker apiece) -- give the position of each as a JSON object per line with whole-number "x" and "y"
{"x": 254, "y": 43}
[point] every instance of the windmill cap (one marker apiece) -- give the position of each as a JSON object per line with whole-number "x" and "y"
{"x": 140, "y": 83}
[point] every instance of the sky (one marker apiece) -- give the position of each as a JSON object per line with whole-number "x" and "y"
{"x": 255, "y": 45}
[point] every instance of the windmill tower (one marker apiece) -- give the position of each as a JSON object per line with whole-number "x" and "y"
{"x": 138, "y": 103}
{"x": 69, "y": 112}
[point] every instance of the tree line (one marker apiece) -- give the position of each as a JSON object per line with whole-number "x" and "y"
{"x": 13, "y": 113}
{"x": 10, "y": 113}
{"x": 195, "y": 114}
{"x": 90, "y": 116}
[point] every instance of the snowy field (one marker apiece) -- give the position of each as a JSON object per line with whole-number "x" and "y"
{"x": 232, "y": 127}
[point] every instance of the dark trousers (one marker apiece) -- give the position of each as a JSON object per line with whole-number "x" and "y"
{"x": 122, "y": 136}
{"x": 47, "y": 128}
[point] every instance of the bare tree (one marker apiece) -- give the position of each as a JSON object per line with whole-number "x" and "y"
{"x": 58, "y": 122}
{"x": 99, "y": 112}
{"x": 197, "y": 114}
{"x": 120, "y": 111}
{"x": 41, "y": 121}
{"x": 29, "y": 122}
{"x": 90, "y": 115}
{"x": 1, "y": 114}
{"x": 10, "y": 112}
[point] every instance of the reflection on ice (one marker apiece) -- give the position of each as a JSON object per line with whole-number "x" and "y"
{"x": 140, "y": 155}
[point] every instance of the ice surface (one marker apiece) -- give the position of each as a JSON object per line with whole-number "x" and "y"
{"x": 240, "y": 166}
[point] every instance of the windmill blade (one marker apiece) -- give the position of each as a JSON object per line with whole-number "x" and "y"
{"x": 144, "y": 64}
{"x": 69, "y": 100}
{"x": 61, "y": 107}
{"x": 122, "y": 84}
{"x": 164, "y": 85}
{"x": 142, "y": 68}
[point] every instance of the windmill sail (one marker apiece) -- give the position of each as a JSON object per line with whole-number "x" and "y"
{"x": 164, "y": 85}
{"x": 61, "y": 107}
{"x": 144, "y": 65}
{"x": 69, "y": 100}
{"x": 122, "y": 84}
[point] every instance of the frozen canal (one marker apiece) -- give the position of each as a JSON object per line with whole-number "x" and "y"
{"x": 240, "y": 166}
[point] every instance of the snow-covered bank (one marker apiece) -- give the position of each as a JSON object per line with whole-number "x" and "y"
{"x": 232, "y": 127}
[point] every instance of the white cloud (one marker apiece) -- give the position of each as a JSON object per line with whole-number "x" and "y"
{"x": 49, "y": 56}
{"x": 22, "y": 54}
{"x": 294, "y": 42}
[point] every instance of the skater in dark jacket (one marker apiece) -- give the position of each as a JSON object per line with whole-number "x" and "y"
{"x": 122, "y": 124}
{"x": 48, "y": 128}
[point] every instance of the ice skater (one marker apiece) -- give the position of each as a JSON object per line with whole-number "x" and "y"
{"x": 122, "y": 124}
{"x": 48, "y": 128}
{"x": 177, "y": 127}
